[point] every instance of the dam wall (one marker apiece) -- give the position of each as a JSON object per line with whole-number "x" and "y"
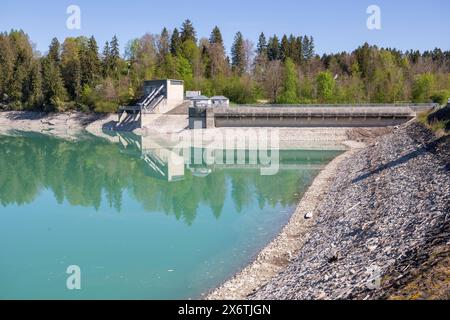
{"x": 313, "y": 116}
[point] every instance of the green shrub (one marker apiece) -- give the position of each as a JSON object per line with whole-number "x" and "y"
{"x": 240, "y": 90}
{"x": 88, "y": 96}
{"x": 423, "y": 87}
{"x": 325, "y": 86}
{"x": 105, "y": 107}
{"x": 289, "y": 94}
{"x": 440, "y": 97}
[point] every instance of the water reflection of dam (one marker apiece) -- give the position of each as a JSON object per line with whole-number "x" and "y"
{"x": 170, "y": 164}
{"x": 161, "y": 162}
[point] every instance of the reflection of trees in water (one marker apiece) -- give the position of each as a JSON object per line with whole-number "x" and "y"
{"x": 84, "y": 172}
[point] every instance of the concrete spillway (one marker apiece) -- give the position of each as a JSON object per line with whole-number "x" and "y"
{"x": 306, "y": 116}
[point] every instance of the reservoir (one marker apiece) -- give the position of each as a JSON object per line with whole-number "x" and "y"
{"x": 136, "y": 226}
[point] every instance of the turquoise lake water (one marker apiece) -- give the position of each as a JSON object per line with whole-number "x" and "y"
{"x": 138, "y": 226}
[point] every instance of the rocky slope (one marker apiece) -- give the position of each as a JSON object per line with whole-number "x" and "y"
{"x": 383, "y": 230}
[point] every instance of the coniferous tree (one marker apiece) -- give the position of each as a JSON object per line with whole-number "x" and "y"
{"x": 175, "y": 43}
{"x": 84, "y": 61}
{"x": 216, "y": 36}
{"x": 284, "y": 48}
{"x": 71, "y": 67}
{"x": 54, "y": 51}
{"x": 53, "y": 85}
{"x": 6, "y": 65}
{"x": 106, "y": 60}
{"x": 261, "y": 48}
{"x": 188, "y": 32}
{"x": 214, "y": 54}
{"x": 273, "y": 48}
{"x": 308, "y": 47}
{"x": 93, "y": 63}
{"x": 115, "y": 57}
{"x": 305, "y": 46}
{"x": 164, "y": 43}
{"x": 364, "y": 57}
{"x": 312, "y": 48}
{"x": 293, "y": 49}
{"x": 35, "y": 97}
{"x": 238, "y": 54}
{"x": 298, "y": 50}
{"x": 22, "y": 58}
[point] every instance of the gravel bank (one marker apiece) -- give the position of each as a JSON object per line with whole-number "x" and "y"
{"x": 384, "y": 219}
{"x": 64, "y": 125}
{"x": 278, "y": 254}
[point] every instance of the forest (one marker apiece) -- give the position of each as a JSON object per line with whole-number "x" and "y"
{"x": 77, "y": 75}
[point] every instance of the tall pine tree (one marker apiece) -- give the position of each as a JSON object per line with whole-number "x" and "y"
{"x": 175, "y": 43}
{"x": 273, "y": 48}
{"x": 214, "y": 54}
{"x": 261, "y": 48}
{"x": 6, "y": 66}
{"x": 216, "y": 36}
{"x": 188, "y": 32}
{"x": 308, "y": 48}
{"x": 164, "y": 44}
{"x": 53, "y": 85}
{"x": 71, "y": 67}
{"x": 94, "y": 63}
{"x": 115, "y": 57}
{"x": 238, "y": 58}
{"x": 106, "y": 60}
{"x": 298, "y": 50}
{"x": 54, "y": 51}
{"x": 285, "y": 52}
{"x": 35, "y": 97}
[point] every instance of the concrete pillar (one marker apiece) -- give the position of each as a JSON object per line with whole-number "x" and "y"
{"x": 210, "y": 119}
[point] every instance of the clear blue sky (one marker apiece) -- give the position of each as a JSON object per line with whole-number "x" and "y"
{"x": 335, "y": 25}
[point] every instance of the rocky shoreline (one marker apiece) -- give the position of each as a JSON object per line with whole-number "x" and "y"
{"x": 277, "y": 255}
{"x": 383, "y": 229}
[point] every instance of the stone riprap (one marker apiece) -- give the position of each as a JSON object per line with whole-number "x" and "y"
{"x": 385, "y": 214}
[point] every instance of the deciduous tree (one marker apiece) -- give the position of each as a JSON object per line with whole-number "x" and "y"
{"x": 289, "y": 93}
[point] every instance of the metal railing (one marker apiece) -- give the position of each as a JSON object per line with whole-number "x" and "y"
{"x": 149, "y": 101}
{"x": 337, "y": 105}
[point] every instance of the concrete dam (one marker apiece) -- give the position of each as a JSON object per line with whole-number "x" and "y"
{"x": 313, "y": 116}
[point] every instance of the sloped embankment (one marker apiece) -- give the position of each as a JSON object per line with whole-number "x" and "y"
{"x": 383, "y": 230}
